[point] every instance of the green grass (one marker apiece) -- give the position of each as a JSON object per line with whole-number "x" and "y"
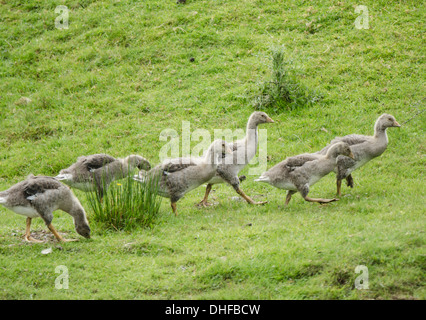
{"x": 126, "y": 204}
{"x": 122, "y": 73}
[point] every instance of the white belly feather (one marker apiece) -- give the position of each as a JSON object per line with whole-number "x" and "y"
{"x": 25, "y": 211}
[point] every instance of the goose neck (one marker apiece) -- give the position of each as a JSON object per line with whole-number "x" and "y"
{"x": 380, "y": 134}
{"x": 210, "y": 158}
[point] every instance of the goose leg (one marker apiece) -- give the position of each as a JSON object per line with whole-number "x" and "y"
{"x": 234, "y": 181}
{"x": 350, "y": 181}
{"x": 204, "y": 202}
{"x": 339, "y": 186}
{"x": 173, "y": 205}
{"x": 28, "y": 237}
{"x": 58, "y": 236}
{"x": 288, "y": 197}
{"x": 248, "y": 199}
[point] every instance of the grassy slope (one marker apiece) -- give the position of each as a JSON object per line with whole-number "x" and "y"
{"x": 122, "y": 73}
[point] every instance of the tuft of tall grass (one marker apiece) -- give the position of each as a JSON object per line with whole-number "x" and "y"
{"x": 126, "y": 204}
{"x": 283, "y": 91}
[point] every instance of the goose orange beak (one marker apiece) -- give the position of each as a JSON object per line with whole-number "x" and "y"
{"x": 228, "y": 150}
{"x": 396, "y": 124}
{"x": 269, "y": 120}
{"x": 351, "y": 155}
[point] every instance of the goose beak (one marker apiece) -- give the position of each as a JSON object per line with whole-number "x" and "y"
{"x": 228, "y": 150}
{"x": 396, "y": 124}
{"x": 269, "y": 120}
{"x": 351, "y": 155}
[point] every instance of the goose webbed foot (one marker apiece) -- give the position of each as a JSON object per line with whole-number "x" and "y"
{"x": 204, "y": 203}
{"x": 321, "y": 200}
{"x": 30, "y": 239}
{"x": 248, "y": 199}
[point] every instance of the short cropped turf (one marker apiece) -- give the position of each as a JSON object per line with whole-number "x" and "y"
{"x": 124, "y": 71}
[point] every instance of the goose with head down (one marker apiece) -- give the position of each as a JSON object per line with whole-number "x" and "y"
{"x": 96, "y": 172}
{"x": 300, "y": 172}
{"x": 364, "y": 149}
{"x": 40, "y": 196}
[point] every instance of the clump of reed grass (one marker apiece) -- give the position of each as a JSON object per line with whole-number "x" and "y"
{"x": 126, "y": 204}
{"x": 283, "y": 91}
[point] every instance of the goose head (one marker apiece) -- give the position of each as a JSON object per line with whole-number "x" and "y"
{"x": 259, "y": 117}
{"x": 386, "y": 121}
{"x": 139, "y": 162}
{"x": 341, "y": 148}
{"x": 83, "y": 229}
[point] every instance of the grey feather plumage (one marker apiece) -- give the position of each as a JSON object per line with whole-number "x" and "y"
{"x": 179, "y": 176}
{"x": 40, "y": 196}
{"x": 97, "y": 171}
{"x": 243, "y": 152}
{"x": 364, "y": 148}
{"x": 300, "y": 172}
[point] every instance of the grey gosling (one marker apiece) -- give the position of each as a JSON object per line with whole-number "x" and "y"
{"x": 363, "y": 147}
{"x": 181, "y": 175}
{"x": 300, "y": 172}
{"x": 243, "y": 152}
{"x": 97, "y": 171}
{"x": 39, "y": 196}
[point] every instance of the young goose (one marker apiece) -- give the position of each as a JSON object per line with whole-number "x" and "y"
{"x": 364, "y": 149}
{"x": 97, "y": 171}
{"x": 243, "y": 152}
{"x": 300, "y": 172}
{"x": 181, "y": 175}
{"x": 39, "y": 196}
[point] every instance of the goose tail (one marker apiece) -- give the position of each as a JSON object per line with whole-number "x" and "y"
{"x": 3, "y": 200}
{"x": 263, "y": 178}
{"x": 139, "y": 178}
{"x": 64, "y": 176}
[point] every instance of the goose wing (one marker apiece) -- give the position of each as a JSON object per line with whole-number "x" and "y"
{"x": 295, "y": 162}
{"x": 351, "y": 140}
{"x": 38, "y": 185}
{"x": 96, "y": 161}
{"x": 175, "y": 167}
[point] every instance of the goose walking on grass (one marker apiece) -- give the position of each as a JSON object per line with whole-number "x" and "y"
{"x": 363, "y": 147}
{"x": 181, "y": 175}
{"x": 243, "y": 152}
{"x": 300, "y": 172}
{"x": 40, "y": 196}
{"x": 96, "y": 172}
